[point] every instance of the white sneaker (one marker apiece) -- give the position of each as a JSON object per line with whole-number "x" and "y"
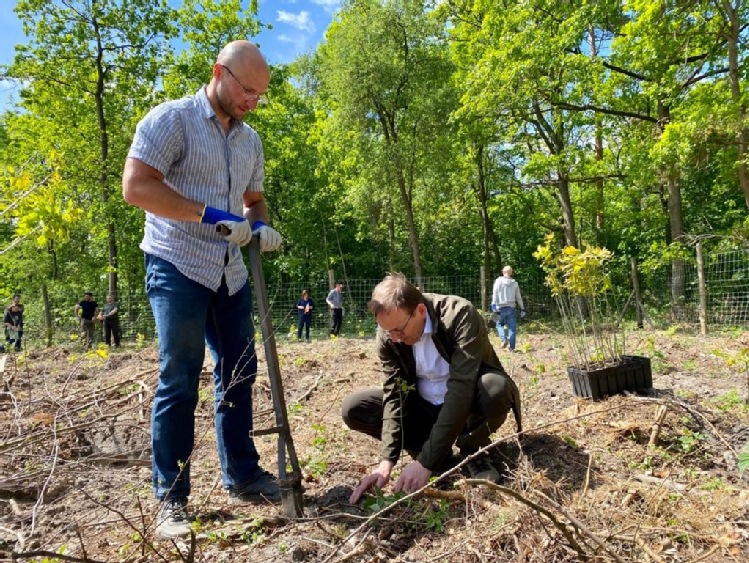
{"x": 172, "y": 521}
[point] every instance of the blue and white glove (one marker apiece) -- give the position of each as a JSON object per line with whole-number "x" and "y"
{"x": 522, "y": 313}
{"x": 269, "y": 238}
{"x": 493, "y": 307}
{"x": 234, "y": 228}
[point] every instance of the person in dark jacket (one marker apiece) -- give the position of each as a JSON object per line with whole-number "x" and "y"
{"x": 89, "y": 310}
{"x": 110, "y": 316}
{"x": 305, "y": 306}
{"x": 444, "y": 385}
{"x": 13, "y": 322}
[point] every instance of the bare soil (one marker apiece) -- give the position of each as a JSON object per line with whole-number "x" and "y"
{"x": 584, "y": 483}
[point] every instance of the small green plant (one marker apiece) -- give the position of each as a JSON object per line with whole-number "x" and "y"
{"x": 714, "y": 484}
{"x": 376, "y": 501}
{"x": 299, "y": 362}
{"x": 435, "y": 518}
{"x": 317, "y": 464}
{"x": 730, "y": 401}
{"x": 140, "y": 341}
{"x": 744, "y": 458}
{"x": 688, "y": 440}
{"x": 570, "y": 441}
{"x": 689, "y": 365}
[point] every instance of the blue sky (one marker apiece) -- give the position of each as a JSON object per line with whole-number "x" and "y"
{"x": 298, "y": 26}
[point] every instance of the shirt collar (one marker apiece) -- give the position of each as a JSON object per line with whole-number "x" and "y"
{"x": 207, "y": 108}
{"x": 205, "y": 103}
{"x": 427, "y": 328}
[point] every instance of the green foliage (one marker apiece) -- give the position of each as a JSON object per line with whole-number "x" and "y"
{"x": 744, "y": 458}
{"x": 688, "y": 441}
{"x": 420, "y": 136}
{"x": 377, "y": 500}
{"x": 579, "y": 281}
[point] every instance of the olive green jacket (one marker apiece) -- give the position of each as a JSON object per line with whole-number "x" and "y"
{"x": 460, "y": 336}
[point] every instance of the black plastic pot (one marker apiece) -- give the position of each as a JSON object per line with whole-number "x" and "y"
{"x": 632, "y": 374}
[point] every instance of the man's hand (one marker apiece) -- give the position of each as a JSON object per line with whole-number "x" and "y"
{"x": 269, "y": 238}
{"x": 522, "y": 313}
{"x": 379, "y": 478}
{"x": 412, "y": 478}
{"x": 235, "y": 229}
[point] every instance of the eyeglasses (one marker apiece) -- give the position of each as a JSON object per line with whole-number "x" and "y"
{"x": 259, "y": 98}
{"x": 399, "y": 332}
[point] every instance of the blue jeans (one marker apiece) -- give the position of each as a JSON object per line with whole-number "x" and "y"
{"x": 188, "y": 315}
{"x": 507, "y": 316}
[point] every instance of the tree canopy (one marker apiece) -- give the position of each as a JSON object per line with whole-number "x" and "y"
{"x": 421, "y": 136}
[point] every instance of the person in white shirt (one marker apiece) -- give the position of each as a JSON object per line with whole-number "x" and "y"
{"x": 444, "y": 386}
{"x": 506, "y": 301}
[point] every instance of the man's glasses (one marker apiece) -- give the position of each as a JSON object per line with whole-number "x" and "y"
{"x": 399, "y": 332}
{"x": 259, "y": 98}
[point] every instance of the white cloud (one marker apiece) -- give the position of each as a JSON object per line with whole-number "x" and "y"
{"x": 330, "y": 6}
{"x": 301, "y": 21}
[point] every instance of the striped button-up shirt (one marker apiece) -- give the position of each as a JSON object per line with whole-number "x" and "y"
{"x": 183, "y": 139}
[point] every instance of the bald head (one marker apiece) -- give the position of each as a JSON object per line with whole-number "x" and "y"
{"x": 241, "y": 53}
{"x": 240, "y": 77}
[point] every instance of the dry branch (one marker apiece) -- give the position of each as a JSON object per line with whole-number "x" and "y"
{"x": 51, "y": 554}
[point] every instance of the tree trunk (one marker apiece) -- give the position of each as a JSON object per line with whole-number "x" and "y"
{"x": 490, "y": 243}
{"x": 676, "y": 225}
{"x": 413, "y": 237}
{"x": 731, "y": 13}
{"x": 599, "y": 199}
{"x": 47, "y": 315}
{"x": 563, "y": 192}
{"x": 104, "y": 154}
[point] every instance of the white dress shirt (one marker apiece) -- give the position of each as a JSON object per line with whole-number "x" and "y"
{"x": 432, "y": 370}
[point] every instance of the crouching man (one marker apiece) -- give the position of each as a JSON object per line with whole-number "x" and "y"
{"x": 444, "y": 385}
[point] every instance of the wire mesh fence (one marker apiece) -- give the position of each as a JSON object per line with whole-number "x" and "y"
{"x": 726, "y": 276}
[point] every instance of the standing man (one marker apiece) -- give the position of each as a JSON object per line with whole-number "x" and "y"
{"x": 335, "y": 302}
{"x": 197, "y": 170}
{"x": 110, "y": 316}
{"x": 506, "y": 301}
{"x": 444, "y": 385}
{"x": 89, "y": 310}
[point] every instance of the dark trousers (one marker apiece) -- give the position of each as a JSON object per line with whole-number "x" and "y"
{"x": 336, "y": 318}
{"x": 304, "y": 322}
{"x": 495, "y": 395}
{"x": 16, "y": 340}
{"x": 87, "y": 332}
{"x": 112, "y": 328}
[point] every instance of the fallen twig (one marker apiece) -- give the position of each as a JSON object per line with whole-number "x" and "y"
{"x": 51, "y": 554}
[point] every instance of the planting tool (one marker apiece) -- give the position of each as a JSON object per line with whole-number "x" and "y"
{"x": 291, "y": 484}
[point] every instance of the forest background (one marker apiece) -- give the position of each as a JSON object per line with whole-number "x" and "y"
{"x": 432, "y": 138}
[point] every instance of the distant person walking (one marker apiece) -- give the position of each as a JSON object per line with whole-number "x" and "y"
{"x": 335, "y": 302}
{"x": 89, "y": 310}
{"x": 305, "y": 305}
{"x": 506, "y": 301}
{"x": 110, "y": 316}
{"x": 13, "y": 322}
